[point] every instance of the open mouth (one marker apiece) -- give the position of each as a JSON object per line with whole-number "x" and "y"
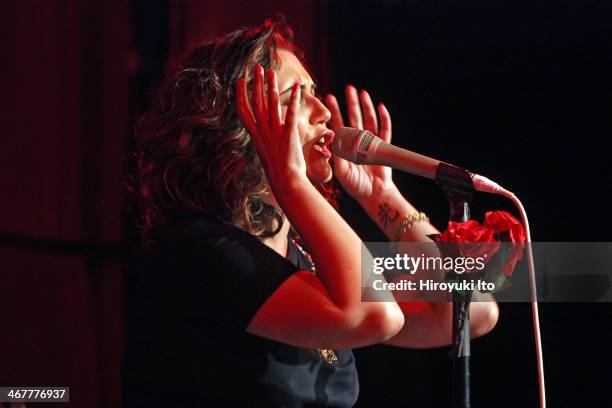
{"x": 322, "y": 145}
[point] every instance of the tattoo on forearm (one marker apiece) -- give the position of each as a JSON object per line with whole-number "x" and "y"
{"x": 386, "y": 214}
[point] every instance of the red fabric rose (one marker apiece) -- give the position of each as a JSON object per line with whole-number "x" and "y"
{"x": 469, "y": 232}
{"x": 509, "y": 229}
{"x": 470, "y": 239}
{"x": 474, "y": 240}
{"x": 500, "y": 221}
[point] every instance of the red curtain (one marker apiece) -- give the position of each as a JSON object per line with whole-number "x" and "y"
{"x": 63, "y": 164}
{"x": 194, "y": 20}
{"x": 63, "y": 160}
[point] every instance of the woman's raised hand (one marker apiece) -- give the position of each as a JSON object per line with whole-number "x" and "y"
{"x": 277, "y": 142}
{"x": 362, "y": 182}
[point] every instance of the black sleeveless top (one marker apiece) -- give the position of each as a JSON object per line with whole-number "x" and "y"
{"x": 186, "y": 344}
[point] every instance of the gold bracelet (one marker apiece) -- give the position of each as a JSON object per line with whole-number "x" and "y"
{"x": 407, "y": 222}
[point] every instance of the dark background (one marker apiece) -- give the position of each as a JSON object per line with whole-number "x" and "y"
{"x": 518, "y": 91}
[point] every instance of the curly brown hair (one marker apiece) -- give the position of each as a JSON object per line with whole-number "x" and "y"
{"x": 194, "y": 154}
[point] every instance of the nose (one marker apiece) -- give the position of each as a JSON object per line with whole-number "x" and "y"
{"x": 320, "y": 113}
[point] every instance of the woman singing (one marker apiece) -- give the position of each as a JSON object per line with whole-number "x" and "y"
{"x": 250, "y": 294}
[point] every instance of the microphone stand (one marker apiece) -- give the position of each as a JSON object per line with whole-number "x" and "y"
{"x": 459, "y": 190}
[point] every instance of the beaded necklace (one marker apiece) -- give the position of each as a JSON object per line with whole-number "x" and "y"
{"x": 327, "y": 355}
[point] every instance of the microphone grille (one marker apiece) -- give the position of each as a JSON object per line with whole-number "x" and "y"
{"x": 364, "y": 145}
{"x": 352, "y": 144}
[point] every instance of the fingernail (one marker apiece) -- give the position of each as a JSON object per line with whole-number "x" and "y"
{"x": 259, "y": 69}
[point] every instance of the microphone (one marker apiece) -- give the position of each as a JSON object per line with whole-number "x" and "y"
{"x": 362, "y": 147}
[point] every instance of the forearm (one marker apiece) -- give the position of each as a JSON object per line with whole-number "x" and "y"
{"x": 387, "y": 211}
{"x": 426, "y": 323}
{"x": 334, "y": 246}
{"x": 429, "y": 324}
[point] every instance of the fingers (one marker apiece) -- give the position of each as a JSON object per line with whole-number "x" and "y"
{"x": 259, "y": 103}
{"x": 263, "y": 118}
{"x": 369, "y": 114}
{"x": 385, "y": 123}
{"x": 336, "y": 121}
{"x": 266, "y": 127}
{"x": 292, "y": 111}
{"x": 244, "y": 111}
{"x": 274, "y": 110}
{"x": 354, "y": 110}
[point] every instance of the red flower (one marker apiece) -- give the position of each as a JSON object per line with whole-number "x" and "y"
{"x": 474, "y": 240}
{"x": 509, "y": 229}
{"x": 470, "y": 239}
{"x": 469, "y": 231}
{"x": 501, "y": 221}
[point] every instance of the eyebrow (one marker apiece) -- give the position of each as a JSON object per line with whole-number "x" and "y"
{"x": 313, "y": 86}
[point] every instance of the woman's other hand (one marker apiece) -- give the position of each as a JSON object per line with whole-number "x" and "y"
{"x": 362, "y": 182}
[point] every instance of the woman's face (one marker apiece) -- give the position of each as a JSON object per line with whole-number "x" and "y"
{"x": 312, "y": 116}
